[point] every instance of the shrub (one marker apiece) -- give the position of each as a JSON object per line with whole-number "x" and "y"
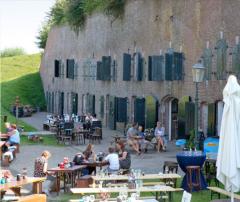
{"x": 75, "y": 12}
{"x": 9, "y": 52}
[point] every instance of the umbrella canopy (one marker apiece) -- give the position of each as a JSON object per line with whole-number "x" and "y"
{"x": 228, "y": 160}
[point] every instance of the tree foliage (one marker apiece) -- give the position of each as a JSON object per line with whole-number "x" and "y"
{"x": 75, "y": 12}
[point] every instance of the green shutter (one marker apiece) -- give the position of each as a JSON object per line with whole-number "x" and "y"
{"x": 236, "y": 59}
{"x": 121, "y": 110}
{"x": 99, "y": 70}
{"x": 102, "y": 106}
{"x": 221, "y": 63}
{"x": 75, "y": 103}
{"x": 150, "y": 68}
{"x": 169, "y": 66}
{"x": 126, "y": 67}
{"x": 112, "y": 113}
{"x": 106, "y": 67}
{"x": 139, "y": 67}
{"x": 157, "y": 68}
{"x": 178, "y": 66}
{"x": 207, "y": 62}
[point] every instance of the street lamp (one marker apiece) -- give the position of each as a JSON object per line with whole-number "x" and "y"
{"x": 198, "y": 72}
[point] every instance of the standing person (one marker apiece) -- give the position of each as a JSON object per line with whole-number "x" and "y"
{"x": 113, "y": 160}
{"x": 124, "y": 156}
{"x": 14, "y": 136}
{"x": 40, "y": 170}
{"x": 131, "y": 134}
{"x": 159, "y": 134}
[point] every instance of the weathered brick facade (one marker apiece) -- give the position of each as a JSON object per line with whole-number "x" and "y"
{"x": 148, "y": 26}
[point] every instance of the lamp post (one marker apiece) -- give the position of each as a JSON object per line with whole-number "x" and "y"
{"x": 198, "y": 72}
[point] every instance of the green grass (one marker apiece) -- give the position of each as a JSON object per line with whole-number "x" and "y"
{"x": 20, "y": 77}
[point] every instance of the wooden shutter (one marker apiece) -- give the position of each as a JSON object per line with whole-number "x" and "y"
{"x": 178, "y": 66}
{"x": 102, "y": 106}
{"x": 56, "y": 68}
{"x": 189, "y": 117}
{"x": 126, "y": 67}
{"x": 121, "y": 110}
{"x": 236, "y": 59}
{"x": 169, "y": 66}
{"x": 74, "y": 103}
{"x": 211, "y": 119}
{"x": 61, "y": 103}
{"x": 70, "y": 69}
{"x": 207, "y": 62}
{"x": 138, "y": 67}
{"x": 150, "y": 68}
{"x": 99, "y": 70}
{"x": 156, "y": 66}
{"x": 221, "y": 63}
{"x": 106, "y": 67}
{"x": 112, "y": 113}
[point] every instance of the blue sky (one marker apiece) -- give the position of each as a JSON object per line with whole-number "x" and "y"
{"x": 20, "y": 21}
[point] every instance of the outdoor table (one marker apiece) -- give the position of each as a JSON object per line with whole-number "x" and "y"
{"x": 142, "y": 177}
{"x": 151, "y": 189}
{"x": 73, "y": 172}
{"x": 4, "y": 136}
{"x": 191, "y": 158}
{"x": 36, "y": 181}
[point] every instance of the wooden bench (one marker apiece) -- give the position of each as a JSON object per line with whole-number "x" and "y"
{"x": 34, "y": 198}
{"x": 220, "y": 191}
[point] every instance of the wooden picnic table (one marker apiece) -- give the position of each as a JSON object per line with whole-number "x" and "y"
{"x": 36, "y": 181}
{"x": 152, "y": 189}
{"x": 72, "y": 172}
{"x": 142, "y": 177}
{"x": 4, "y": 136}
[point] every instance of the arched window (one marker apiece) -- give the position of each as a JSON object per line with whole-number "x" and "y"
{"x": 221, "y": 48}
{"x": 207, "y": 62}
{"x": 236, "y": 59}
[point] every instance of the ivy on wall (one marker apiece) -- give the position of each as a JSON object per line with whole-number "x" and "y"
{"x": 75, "y": 12}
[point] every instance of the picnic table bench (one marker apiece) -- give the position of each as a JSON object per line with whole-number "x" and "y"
{"x": 220, "y": 191}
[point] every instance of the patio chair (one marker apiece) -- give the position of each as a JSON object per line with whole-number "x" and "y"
{"x": 96, "y": 136}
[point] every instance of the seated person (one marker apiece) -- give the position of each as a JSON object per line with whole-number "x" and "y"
{"x": 142, "y": 142}
{"x": 124, "y": 156}
{"x": 131, "y": 134}
{"x": 89, "y": 155}
{"x": 159, "y": 134}
{"x": 113, "y": 160}
{"x": 40, "y": 170}
{"x": 14, "y": 136}
{"x": 94, "y": 118}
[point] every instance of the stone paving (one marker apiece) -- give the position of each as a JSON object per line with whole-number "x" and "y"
{"x": 150, "y": 162}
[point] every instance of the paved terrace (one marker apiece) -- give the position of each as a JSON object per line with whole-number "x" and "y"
{"x": 150, "y": 162}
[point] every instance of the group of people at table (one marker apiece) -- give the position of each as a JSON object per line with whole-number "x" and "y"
{"x": 136, "y": 138}
{"x": 117, "y": 158}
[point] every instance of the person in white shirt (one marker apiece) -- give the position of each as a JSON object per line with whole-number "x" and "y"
{"x": 113, "y": 160}
{"x": 159, "y": 134}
